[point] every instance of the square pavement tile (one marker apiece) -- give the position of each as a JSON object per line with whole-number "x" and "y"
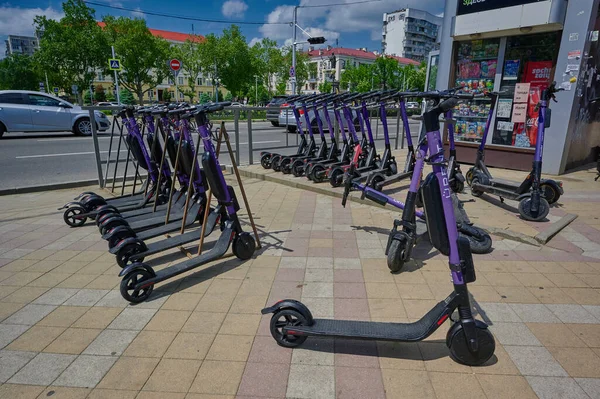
{"x": 230, "y": 347}
{"x": 318, "y": 290}
{"x": 319, "y": 307}
{"x": 556, "y": 335}
{"x": 535, "y": 361}
{"x": 86, "y": 371}
{"x": 578, "y": 362}
{"x": 110, "y": 343}
{"x": 358, "y": 383}
{"x": 30, "y": 314}
{"x": 10, "y": 332}
{"x": 223, "y": 378}
{"x": 10, "y": 391}
{"x": 190, "y": 346}
{"x": 315, "y": 351}
{"x": 73, "y": 341}
{"x": 173, "y": 375}
{"x": 573, "y": 314}
{"x": 63, "y": 316}
{"x": 86, "y": 297}
{"x": 556, "y": 388}
{"x": 267, "y": 351}
{"x": 112, "y": 300}
{"x": 534, "y": 313}
{"x": 132, "y": 319}
{"x": 97, "y": 317}
{"x": 12, "y": 361}
{"x": 591, "y": 386}
{"x": 36, "y": 338}
{"x": 498, "y": 312}
{"x": 316, "y": 382}
{"x": 43, "y": 369}
{"x": 150, "y": 344}
{"x": 264, "y": 379}
{"x": 128, "y": 373}
{"x": 514, "y": 334}
{"x": 56, "y": 296}
{"x": 505, "y": 386}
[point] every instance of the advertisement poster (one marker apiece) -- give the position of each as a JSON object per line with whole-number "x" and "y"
{"x": 511, "y": 69}
{"x": 507, "y": 126}
{"x": 519, "y": 113}
{"x": 522, "y": 92}
{"x": 537, "y": 73}
{"x": 504, "y": 108}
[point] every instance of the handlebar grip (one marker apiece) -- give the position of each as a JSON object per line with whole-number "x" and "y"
{"x": 449, "y": 104}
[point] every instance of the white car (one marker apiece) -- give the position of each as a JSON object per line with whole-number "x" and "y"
{"x": 32, "y": 111}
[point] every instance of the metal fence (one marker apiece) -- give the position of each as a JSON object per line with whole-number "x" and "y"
{"x": 252, "y": 133}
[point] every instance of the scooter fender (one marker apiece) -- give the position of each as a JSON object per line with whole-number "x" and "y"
{"x": 554, "y": 185}
{"x": 107, "y": 216}
{"x": 93, "y": 201}
{"x": 107, "y": 207}
{"x": 108, "y": 221}
{"x": 84, "y": 194}
{"x": 136, "y": 266}
{"x": 118, "y": 229}
{"x": 70, "y": 204}
{"x": 130, "y": 240}
{"x": 523, "y": 196}
{"x": 290, "y": 304}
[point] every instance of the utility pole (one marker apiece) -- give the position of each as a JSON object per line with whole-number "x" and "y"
{"x": 47, "y": 84}
{"x": 116, "y": 78}
{"x": 294, "y": 48}
{"x": 216, "y": 83}
{"x": 256, "y": 98}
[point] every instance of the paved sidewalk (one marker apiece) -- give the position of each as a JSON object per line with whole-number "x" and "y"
{"x": 65, "y": 331}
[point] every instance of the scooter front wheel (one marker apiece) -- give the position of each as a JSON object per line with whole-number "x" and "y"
{"x": 265, "y": 161}
{"x": 396, "y": 255}
{"x": 337, "y": 177}
{"x": 481, "y": 243}
{"x": 243, "y": 246}
{"x": 457, "y": 186}
{"x": 130, "y": 281}
{"x": 459, "y": 347}
{"x": 287, "y": 318}
{"x": 475, "y": 192}
{"x": 527, "y": 214}
{"x": 297, "y": 168}
{"x": 70, "y": 216}
{"x": 124, "y": 254}
{"x": 275, "y": 163}
{"x": 317, "y": 173}
{"x": 284, "y": 165}
{"x": 550, "y": 193}
{"x": 469, "y": 176}
{"x": 376, "y": 181}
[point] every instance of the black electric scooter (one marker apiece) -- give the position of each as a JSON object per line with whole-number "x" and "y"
{"x": 469, "y": 340}
{"x": 534, "y": 194}
{"x": 139, "y": 279}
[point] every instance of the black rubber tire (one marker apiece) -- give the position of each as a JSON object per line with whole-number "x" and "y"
{"x": 525, "y": 210}
{"x": 395, "y": 255}
{"x": 291, "y": 317}
{"x": 243, "y": 246}
{"x": 275, "y": 163}
{"x": 291, "y": 129}
{"x": 83, "y": 127}
{"x": 336, "y": 178}
{"x": 460, "y": 352}
{"x": 275, "y": 124}
{"x": 284, "y": 165}
{"x": 101, "y": 213}
{"x": 475, "y": 193}
{"x": 265, "y": 161}
{"x": 117, "y": 237}
{"x": 2, "y": 130}
{"x": 106, "y": 227}
{"x": 469, "y": 176}
{"x": 317, "y": 173}
{"x": 69, "y": 213}
{"x": 125, "y": 253}
{"x": 457, "y": 186}
{"x": 376, "y": 181}
{"x": 550, "y": 193}
{"x": 479, "y": 245}
{"x": 297, "y": 168}
{"x": 131, "y": 279}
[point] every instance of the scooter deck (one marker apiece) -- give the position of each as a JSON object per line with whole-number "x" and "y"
{"x": 502, "y": 183}
{"x": 495, "y": 190}
{"x": 161, "y": 210}
{"x": 221, "y": 246}
{"x": 395, "y": 178}
{"x": 148, "y": 209}
{"x": 174, "y": 226}
{"x": 146, "y": 223}
{"x": 168, "y": 243}
{"x": 407, "y": 332}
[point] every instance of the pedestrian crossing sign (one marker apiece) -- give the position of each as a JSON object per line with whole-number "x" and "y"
{"x": 114, "y": 64}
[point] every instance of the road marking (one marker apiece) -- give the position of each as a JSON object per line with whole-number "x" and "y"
{"x": 75, "y": 139}
{"x": 260, "y": 142}
{"x": 60, "y": 155}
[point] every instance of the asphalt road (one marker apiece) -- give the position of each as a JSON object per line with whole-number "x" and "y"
{"x": 31, "y": 159}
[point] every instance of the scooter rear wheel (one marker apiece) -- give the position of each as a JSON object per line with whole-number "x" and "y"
{"x": 474, "y": 192}
{"x": 297, "y": 168}
{"x": 479, "y": 245}
{"x": 128, "y": 283}
{"x": 265, "y": 161}
{"x": 337, "y": 177}
{"x": 287, "y": 318}
{"x": 457, "y": 186}
{"x": 550, "y": 193}
{"x": 275, "y": 163}
{"x": 459, "y": 348}
{"x": 525, "y": 210}
{"x": 243, "y": 246}
{"x": 124, "y": 254}
{"x": 284, "y": 165}
{"x": 469, "y": 176}
{"x": 396, "y": 255}
{"x": 376, "y": 181}
{"x": 317, "y": 173}
{"x": 70, "y": 216}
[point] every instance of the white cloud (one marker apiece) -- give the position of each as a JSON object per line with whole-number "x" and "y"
{"x": 234, "y": 8}
{"x": 254, "y": 41}
{"x": 333, "y": 22}
{"x": 138, "y": 13}
{"x": 19, "y": 21}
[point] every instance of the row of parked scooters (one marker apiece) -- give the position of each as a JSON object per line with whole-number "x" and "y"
{"x": 469, "y": 340}
{"x": 329, "y": 161}
{"x": 129, "y": 223}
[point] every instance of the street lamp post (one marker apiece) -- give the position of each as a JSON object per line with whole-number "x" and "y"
{"x": 256, "y": 84}
{"x": 311, "y": 40}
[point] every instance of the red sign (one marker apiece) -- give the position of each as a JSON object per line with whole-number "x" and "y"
{"x": 175, "y": 65}
{"x": 538, "y": 73}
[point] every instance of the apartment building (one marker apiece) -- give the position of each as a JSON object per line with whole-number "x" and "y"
{"x": 410, "y": 33}
{"x": 21, "y": 44}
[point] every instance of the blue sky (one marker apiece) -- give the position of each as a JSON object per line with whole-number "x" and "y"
{"x": 354, "y": 26}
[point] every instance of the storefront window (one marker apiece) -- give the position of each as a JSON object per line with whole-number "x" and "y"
{"x": 529, "y": 59}
{"x": 476, "y": 64}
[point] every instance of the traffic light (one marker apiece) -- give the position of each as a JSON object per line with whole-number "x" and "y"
{"x": 316, "y": 40}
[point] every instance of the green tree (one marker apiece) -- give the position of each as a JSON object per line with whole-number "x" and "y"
{"x": 190, "y": 54}
{"x": 235, "y": 66}
{"x": 268, "y": 60}
{"x": 75, "y": 47}
{"x": 302, "y": 69}
{"x": 127, "y": 97}
{"x": 228, "y": 96}
{"x": 361, "y": 78}
{"x": 18, "y": 72}
{"x": 386, "y": 71}
{"x": 144, "y": 57}
{"x": 87, "y": 98}
{"x": 110, "y": 96}
{"x": 280, "y": 88}
{"x": 166, "y": 96}
{"x": 99, "y": 93}
{"x": 205, "y": 98}
{"x": 325, "y": 87}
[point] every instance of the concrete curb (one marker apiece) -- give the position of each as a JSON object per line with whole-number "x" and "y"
{"x": 48, "y": 187}
{"x": 547, "y": 235}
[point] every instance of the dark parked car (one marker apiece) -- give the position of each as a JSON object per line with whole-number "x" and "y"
{"x": 273, "y": 109}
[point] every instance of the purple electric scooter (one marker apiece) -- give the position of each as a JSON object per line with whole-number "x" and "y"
{"x": 470, "y": 342}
